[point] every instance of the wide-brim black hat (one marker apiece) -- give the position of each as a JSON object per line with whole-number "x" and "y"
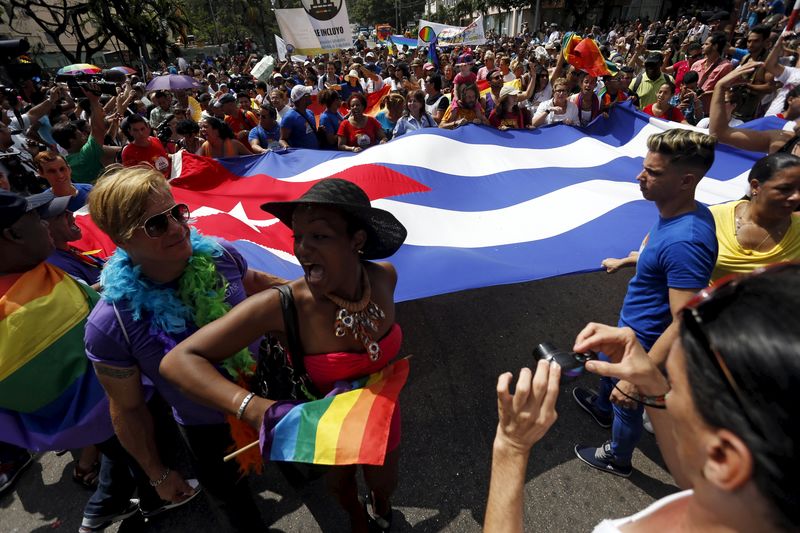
{"x": 385, "y": 234}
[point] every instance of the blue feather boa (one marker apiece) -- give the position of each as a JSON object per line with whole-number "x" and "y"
{"x": 123, "y": 281}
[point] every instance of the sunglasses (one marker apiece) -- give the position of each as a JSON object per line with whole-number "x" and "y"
{"x": 495, "y": 78}
{"x": 157, "y": 225}
{"x": 705, "y": 306}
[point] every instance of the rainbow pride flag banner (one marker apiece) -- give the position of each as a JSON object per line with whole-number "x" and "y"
{"x": 50, "y": 397}
{"x": 342, "y": 429}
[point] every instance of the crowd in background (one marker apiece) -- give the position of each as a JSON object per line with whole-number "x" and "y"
{"x": 710, "y": 71}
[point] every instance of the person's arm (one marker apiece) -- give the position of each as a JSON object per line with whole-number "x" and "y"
{"x": 98, "y": 124}
{"x": 612, "y": 265}
{"x": 529, "y": 90}
{"x": 660, "y": 349}
{"x": 630, "y": 362}
{"x": 38, "y": 111}
{"x": 256, "y": 281}
{"x": 524, "y": 419}
{"x": 369, "y": 74}
{"x": 745, "y": 139}
{"x": 285, "y": 134}
{"x": 190, "y": 365}
{"x": 133, "y": 425}
{"x": 256, "y": 147}
{"x": 558, "y": 71}
{"x": 771, "y": 64}
{"x": 678, "y": 298}
{"x": 380, "y": 135}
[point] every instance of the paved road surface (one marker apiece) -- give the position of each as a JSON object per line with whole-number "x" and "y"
{"x": 461, "y": 343}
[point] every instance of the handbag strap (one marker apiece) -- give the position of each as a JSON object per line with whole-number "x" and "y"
{"x": 292, "y": 328}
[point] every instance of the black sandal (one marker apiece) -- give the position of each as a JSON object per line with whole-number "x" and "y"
{"x": 86, "y": 478}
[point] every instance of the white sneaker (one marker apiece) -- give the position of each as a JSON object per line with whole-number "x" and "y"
{"x": 647, "y": 424}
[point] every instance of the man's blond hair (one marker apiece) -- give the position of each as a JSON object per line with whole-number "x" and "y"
{"x": 689, "y": 149}
{"x": 118, "y": 201}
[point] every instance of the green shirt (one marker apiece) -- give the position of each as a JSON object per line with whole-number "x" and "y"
{"x": 648, "y": 89}
{"x": 86, "y": 164}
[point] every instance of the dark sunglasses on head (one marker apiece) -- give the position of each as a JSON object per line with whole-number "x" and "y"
{"x": 705, "y": 306}
{"x": 157, "y": 225}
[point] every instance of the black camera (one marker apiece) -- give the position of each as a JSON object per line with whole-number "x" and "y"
{"x": 105, "y": 83}
{"x": 571, "y": 363}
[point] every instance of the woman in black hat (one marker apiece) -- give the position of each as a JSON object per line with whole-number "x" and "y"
{"x": 336, "y": 234}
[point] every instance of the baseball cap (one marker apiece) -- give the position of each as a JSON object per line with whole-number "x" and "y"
{"x": 508, "y": 90}
{"x": 299, "y": 91}
{"x": 13, "y": 206}
{"x": 226, "y": 99}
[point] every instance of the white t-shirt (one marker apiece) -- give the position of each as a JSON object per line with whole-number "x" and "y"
{"x": 612, "y": 526}
{"x": 790, "y": 78}
{"x": 509, "y": 77}
{"x": 570, "y": 115}
{"x": 733, "y": 122}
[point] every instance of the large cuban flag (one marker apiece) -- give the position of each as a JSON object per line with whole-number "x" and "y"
{"x": 482, "y": 206}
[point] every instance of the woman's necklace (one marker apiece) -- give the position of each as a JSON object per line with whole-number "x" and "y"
{"x": 740, "y": 223}
{"x": 359, "y": 318}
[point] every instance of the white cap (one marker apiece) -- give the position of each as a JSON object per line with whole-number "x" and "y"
{"x": 299, "y": 91}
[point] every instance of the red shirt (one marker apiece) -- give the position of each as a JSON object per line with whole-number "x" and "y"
{"x": 363, "y": 137}
{"x": 674, "y": 114}
{"x": 243, "y": 120}
{"x": 153, "y": 155}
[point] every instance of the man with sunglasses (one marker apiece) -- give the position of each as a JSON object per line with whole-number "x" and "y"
{"x": 496, "y": 82}
{"x": 675, "y": 261}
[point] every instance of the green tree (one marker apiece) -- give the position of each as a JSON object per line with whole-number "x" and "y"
{"x": 139, "y": 24}
{"x": 62, "y": 21}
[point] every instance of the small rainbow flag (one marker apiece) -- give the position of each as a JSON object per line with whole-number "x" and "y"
{"x": 426, "y": 34}
{"x": 49, "y": 395}
{"x": 344, "y": 429}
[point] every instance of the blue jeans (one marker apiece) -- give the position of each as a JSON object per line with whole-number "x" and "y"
{"x": 120, "y": 476}
{"x": 626, "y": 430}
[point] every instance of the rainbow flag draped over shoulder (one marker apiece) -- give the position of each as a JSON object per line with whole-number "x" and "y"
{"x": 49, "y": 395}
{"x": 343, "y": 429}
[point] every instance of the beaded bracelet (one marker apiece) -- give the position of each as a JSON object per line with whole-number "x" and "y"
{"x": 243, "y": 406}
{"x": 160, "y": 480}
{"x": 656, "y": 402}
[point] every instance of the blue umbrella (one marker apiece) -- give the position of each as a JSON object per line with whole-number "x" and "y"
{"x": 172, "y": 82}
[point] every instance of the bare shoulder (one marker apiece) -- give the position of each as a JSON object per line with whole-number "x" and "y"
{"x": 382, "y": 271}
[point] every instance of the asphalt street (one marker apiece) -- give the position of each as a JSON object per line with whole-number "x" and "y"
{"x": 461, "y": 343}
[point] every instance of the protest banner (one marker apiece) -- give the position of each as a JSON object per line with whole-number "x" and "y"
{"x": 446, "y": 35}
{"x": 318, "y": 27}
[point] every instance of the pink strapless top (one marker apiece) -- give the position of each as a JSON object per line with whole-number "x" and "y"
{"x": 327, "y": 368}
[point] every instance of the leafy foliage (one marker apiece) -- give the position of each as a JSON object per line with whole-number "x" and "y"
{"x": 59, "y": 19}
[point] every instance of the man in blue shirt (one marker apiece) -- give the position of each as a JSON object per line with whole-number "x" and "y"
{"x": 267, "y": 135}
{"x": 299, "y": 126}
{"x": 675, "y": 261}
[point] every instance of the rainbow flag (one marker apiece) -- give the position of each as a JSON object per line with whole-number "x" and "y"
{"x": 344, "y": 429}
{"x": 584, "y": 54}
{"x": 49, "y": 395}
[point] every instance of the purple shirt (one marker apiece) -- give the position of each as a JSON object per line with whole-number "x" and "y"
{"x": 105, "y": 342}
{"x": 73, "y": 265}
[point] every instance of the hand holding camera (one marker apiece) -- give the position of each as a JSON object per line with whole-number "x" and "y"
{"x": 629, "y": 361}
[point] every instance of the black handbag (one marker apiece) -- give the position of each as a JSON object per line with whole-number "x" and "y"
{"x": 282, "y": 376}
{"x": 279, "y": 377}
